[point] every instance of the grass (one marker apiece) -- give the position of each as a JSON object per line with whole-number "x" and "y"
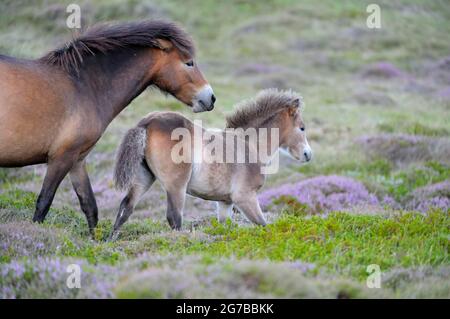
{"x": 413, "y": 128}
{"x": 341, "y": 242}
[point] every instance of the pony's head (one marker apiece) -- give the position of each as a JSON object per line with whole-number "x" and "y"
{"x": 167, "y": 50}
{"x": 293, "y": 131}
{"x": 177, "y": 73}
{"x": 274, "y": 108}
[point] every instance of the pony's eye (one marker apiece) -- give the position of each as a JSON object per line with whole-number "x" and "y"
{"x": 302, "y": 128}
{"x": 190, "y": 63}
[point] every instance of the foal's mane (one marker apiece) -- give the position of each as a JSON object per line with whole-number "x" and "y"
{"x": 104, "y": 38}
{"x": 266, "y": 104}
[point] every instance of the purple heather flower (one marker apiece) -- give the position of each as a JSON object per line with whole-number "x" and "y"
{"x": 432, "y": 196}
{"x": 323, "y": 193}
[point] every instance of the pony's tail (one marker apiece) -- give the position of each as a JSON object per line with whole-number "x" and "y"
{"x": 129, "y": 157}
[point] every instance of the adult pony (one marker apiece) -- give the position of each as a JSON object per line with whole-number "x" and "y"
{"x": 54, "y": 109}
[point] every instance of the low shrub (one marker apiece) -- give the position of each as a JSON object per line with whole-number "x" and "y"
{"x": 402, "y": 148}
{"x": 322, "y": 194}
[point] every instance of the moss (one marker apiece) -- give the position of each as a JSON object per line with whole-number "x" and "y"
{"x": 94, "y": 253}
{"x": 343, "y": 242}
{"x": 291, "y": 206}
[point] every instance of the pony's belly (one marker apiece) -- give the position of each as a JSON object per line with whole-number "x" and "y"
{"x": 17, "y": 152}
{"x": 210, "y": 196}
{"x": 20, "y": 162}
{"x": 210, "y": 181}
{"x": 26, "y": 131}
{"x": 19, "y": 158}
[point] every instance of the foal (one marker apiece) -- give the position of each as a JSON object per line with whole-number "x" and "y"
{"x": 149, "y": 152}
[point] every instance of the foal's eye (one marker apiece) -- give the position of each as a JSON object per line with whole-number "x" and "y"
{"x": 190, "y": 63}
{"x": 302, "y": 128}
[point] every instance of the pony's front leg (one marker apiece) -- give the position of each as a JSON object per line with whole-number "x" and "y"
{"x": 56, "y": 171}
{"x": 82, "y": 186}
{"x": 224, "y": 211}
{"x": 249, "y": 205}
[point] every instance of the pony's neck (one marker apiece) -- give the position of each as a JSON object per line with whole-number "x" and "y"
{"x": 267, "y": 142}
{"x": 115, "y": 79}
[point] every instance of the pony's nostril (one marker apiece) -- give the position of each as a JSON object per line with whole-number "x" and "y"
{"x": 213, "y": 99}
{"x": 307, "y": 157}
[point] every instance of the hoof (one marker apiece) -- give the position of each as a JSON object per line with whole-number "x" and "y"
{"x": 114, "y": 235}
{"x": 38, "y": 219}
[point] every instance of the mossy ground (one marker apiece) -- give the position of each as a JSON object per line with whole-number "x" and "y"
{"x": 339, "y": 246}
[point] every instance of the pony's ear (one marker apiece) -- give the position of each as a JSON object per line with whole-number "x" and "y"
{"x": 294, "y": 107}
{"x": 164, "y": 45}
{"x": 292, "y": 110}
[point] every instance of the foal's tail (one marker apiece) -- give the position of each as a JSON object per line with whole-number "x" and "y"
{"x": 129, "y": 157}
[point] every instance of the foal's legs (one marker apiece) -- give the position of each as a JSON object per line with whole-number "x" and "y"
{"x": 144, "y": 179}
{"x": 175, "y": 179}
{"x": 56, "y": 171}
{"x": 224, "y": 211}
{"x": 249, "y": 205}
{"x": 175, "y": 205}
{"x": 83, "y": 189}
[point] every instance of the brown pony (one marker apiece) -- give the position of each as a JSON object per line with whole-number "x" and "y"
{"x": 53, "y": 110}
{"x": 149, "y": 152}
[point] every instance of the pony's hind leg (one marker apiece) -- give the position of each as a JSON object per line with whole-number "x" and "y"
{"x": 175, "y": 205}
{"x": 82, "y": 186}
{"x": 249, "y": 205}
{"x": 142, "y": 182}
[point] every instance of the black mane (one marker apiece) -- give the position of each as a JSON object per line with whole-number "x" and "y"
{"x": 106, "y": 38}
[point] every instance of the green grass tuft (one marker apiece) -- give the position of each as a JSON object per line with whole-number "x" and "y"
{"x": 341, "y": 242}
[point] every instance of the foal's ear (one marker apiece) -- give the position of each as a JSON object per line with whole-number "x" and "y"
{"x": 294, "y": 107}
{"x": 164, "y": 45}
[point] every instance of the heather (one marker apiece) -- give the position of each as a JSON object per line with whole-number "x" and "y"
{"x": 239, "y": 279}
{"x": 376, "y": 192}
{"x": 390, "y": 185}
{"x": 46, "y": 278}
{"x": 404, "y": 148}
{"x": 323, "y": 194}
{"x": 435, "y": 195}
{"x": 417, "y": 189}
{"x": 241, "y": 261}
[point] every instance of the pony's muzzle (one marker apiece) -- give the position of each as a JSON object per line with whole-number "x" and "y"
{"x": 204, "y": 99}
{"x": 307, "y": 154}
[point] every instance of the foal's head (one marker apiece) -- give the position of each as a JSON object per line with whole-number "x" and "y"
{"x": 273, "y": 108}
{"x": 177, "y": 73}
{"x": 293, "y": 131}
